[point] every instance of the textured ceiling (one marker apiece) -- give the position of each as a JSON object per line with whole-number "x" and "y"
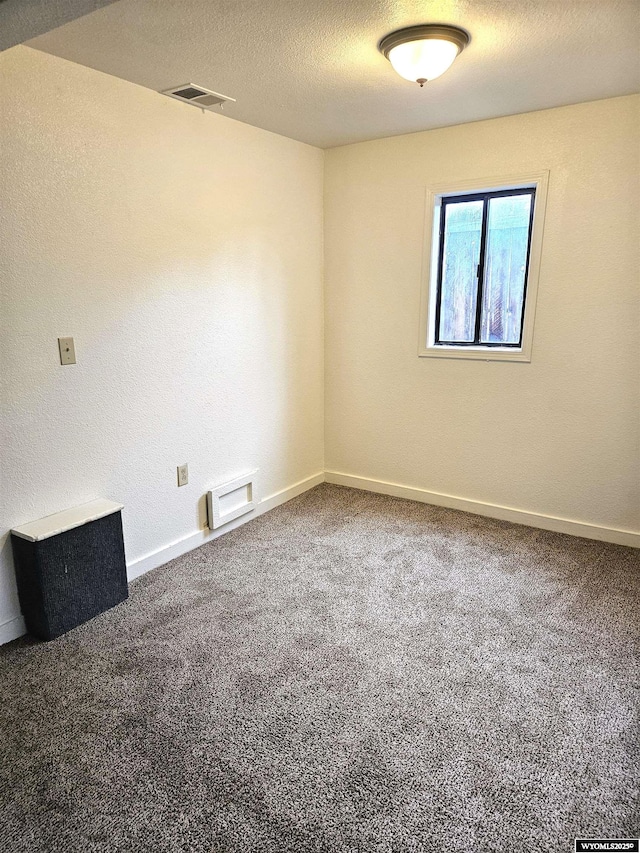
{"x": 310, "y": 69}
{"x": 23, "y": 19}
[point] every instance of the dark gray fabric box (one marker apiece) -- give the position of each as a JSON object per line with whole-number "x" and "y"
{"x": 69, "y": 576}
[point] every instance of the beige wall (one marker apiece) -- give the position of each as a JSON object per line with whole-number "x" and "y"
{"x": 183, "y": 251}
{"x": 558, "y": 436}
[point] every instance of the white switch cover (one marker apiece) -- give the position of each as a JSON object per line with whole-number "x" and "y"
{"x": 183, "y": 475}
{"x": 67, "y": 351}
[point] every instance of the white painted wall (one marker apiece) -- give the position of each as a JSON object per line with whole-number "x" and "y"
{"x": 556, "y": 437}
{"x": 183, "y": 251}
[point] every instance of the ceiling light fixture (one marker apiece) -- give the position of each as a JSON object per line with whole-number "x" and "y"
{"x": 424, "y": 52}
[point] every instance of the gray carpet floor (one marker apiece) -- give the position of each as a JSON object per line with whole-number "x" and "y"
{"x": 349, "y": 673}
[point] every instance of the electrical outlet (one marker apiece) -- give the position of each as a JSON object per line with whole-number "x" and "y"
{"x": 183, "y": 475}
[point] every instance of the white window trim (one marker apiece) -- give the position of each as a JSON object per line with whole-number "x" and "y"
{"x": 426, "y": 346}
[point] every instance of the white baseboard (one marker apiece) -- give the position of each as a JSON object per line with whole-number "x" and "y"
{"x": 176, "y": 549}
{"x": 287, "y": 494}
{"x": 15, "y": 627}
{"x": 504, "y": 513}
{"x": 12, "y": 629}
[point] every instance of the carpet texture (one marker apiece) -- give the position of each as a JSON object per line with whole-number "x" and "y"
{"x": 349, "y": 673}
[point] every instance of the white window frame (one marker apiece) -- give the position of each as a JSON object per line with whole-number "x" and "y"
{"x": 427, "y": 346}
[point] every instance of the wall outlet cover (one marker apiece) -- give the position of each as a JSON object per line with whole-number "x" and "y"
{"x": 67, "y": 351}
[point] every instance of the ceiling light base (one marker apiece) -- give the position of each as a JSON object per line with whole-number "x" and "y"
{"x": 458, "y": 36}
{"x": 414, "y": 58}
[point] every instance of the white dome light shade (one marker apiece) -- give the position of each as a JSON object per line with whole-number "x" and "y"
{"x": 424, "y": 52}
{"x": 423, "y": 60}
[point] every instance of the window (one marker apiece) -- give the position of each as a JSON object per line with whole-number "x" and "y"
{"x": 483, "y": 256}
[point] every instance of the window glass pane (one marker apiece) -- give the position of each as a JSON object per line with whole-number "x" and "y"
{"x": 505, "y": 269}
{"x": 459, "y": 288}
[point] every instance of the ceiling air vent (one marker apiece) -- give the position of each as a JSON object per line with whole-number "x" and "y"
{"x": 198, "y": 96}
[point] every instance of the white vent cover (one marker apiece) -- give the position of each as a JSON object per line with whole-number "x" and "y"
{"x": 231, "y": 500}
{"x": 198, "y": 96}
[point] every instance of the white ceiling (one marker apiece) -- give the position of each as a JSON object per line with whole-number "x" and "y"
{"x": 310, "y": 69}
{"x": 21, "y": 20}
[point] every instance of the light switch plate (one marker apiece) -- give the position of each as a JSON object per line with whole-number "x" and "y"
{"x": 67, "y": 351}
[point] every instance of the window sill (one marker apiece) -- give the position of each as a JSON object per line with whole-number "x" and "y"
{"x": 476, "y": 353}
